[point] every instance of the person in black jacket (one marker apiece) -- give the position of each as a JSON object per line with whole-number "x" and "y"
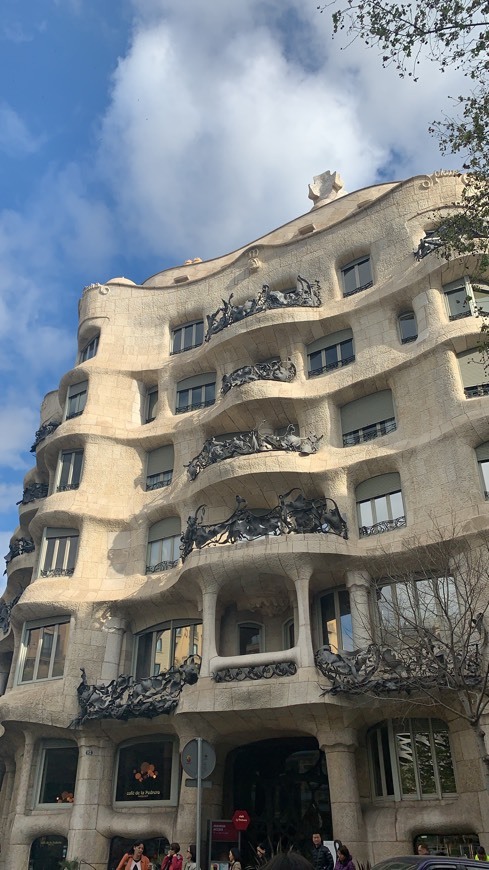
{"x": 321, "y": 857}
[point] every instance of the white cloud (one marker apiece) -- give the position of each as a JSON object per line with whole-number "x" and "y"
{"x": 15, "y": 137}
{"x": 221, "y": 114}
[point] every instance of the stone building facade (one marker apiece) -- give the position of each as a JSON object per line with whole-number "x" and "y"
{"x": 320, "y": 420}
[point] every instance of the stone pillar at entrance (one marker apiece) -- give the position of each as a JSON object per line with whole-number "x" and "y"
{"x": 348, "y": 824}
{"x": 84, "y": 840}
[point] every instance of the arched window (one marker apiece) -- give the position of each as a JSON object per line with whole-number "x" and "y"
{"x": 250, "y": 638}
{"x": 408, "y": 328}
{"x": 410, "y": 759}
{"x": 167, "y": 645}
{"x": 357, "y": 276}
{"x": 163, "y": 545}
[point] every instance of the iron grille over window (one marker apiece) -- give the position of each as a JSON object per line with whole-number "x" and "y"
{"x": 60, "y": 549}
{"x": 70, "y": 467}
{"x": 196, "y": 392}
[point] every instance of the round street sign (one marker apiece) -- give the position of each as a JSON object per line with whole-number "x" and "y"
{"x": 189, "y": 759}
{"x": 241, "y": 820}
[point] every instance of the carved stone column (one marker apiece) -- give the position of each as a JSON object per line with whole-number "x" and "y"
{"x": 94, "y": 770}
{"x": 348, "y": 824}
{"x": 358, "y": 584}
{"x": 209, "y": 648}
{"x": 114, "y": 628}
{"x": 303, "y": 629}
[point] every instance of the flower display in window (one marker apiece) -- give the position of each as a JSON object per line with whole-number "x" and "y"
{"x": 146, "y": 771}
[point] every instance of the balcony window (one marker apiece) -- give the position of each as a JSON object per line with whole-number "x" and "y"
{"x": 357, "y": 276}
{"x": 250, "y": 638}
{"x": 77, "y": 399}
{"x": 481, "y": 298}
{"x": 475, "y": 379}
{"x": 148, "y": 772}
{"x": 289, "y": 634}
{"x": 196, "y": 392}
{"x": 163, "y": 545}
{"x": 380, "y": 504}
{"x": 150, "y": 404}
{"x": 167, "y": 646}
{"x": 367, "y": 418}
{"x": 43, "y": 651}
{"x": 159, "y": 468}
{"x": 331, "y": 352}
{"x": 408, "y": 328}
{"x": 482, "y": 454}
{"x": 336, "y": 620}
{"x": 404, "y": 606}
{"x": 89, "y": 350}
{"x": 59, "y": 762}
{"x": 410, "y": 759}
{"x": 69, "y": 470}
{"x": 187, "y": 337}
{"x": 60, "y": 548}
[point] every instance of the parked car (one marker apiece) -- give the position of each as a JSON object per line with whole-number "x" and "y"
{"x": 428, "y": 862}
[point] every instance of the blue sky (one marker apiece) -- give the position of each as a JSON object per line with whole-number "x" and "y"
{"x": 135, "y": 134}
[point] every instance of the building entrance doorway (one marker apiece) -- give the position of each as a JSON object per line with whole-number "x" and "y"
{"x": 283, "y": 784}
{"x": 46, "y": 852}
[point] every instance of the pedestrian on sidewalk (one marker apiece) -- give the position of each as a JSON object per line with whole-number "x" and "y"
{"x": 173, "y": 860}
{"x": 344, "y": 860}
{"x": 321, "y": 857}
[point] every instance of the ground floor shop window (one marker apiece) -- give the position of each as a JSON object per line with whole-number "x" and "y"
{"x": 154, "y": 849}
{"x": 147, "y": 772}
{"x": 456, "y": 845}
{"x": 46, "y": 852}
{"x": 411, "y": 759}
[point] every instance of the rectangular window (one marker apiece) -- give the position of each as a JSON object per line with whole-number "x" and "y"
{"x": 159, "y": 468}
{"x": 459, "y": 299}
{"x": 195, "y": 396}
{"x": 484, "y": 469}
{"x": 187, "y": 337}
{"x": 381, "y": 514}
{"x": 59, "y": 552}
{"x": 357, "y": 276}
{"x": 336, "y": 620}
{"x": 473, "y": 373}
{"x": 151, "y": 400}
{"x": 43, "y": 651}
{"x": 147, "y": 772}
{"x": 58, "y": 775}
{"x": 69, "y": 470}
{"x": 331, "y": 352}
{"x": 367, "y": 418}
{"x": 77, "y": 399}
{"x": 404, "y": 605}
{"x": 163, "y": 554}
{"x": 89, "y": 350}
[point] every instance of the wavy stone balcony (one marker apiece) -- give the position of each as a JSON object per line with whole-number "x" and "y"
{"x": 43, "y": 432}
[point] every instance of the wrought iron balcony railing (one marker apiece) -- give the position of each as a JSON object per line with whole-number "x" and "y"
{"x": 358, "y": 289}
{"x": 340, "y": 363}
{"x": 159, "y": 484}
{"x": 57, "y": 572}
{"x": 383, "y": 526}
{"x": 189, "y": 347}
{"x": 460, "y": 315}
{"x": 20, "y": 547}
{"x": 33, "y": 492}
{"x": 43, "y": 432}
{"x": 194, "y": 406}
{"x": 66, "y": 487}
{"x": 477, "y": 390}
{"x": 369, "y": 433}
{"x": 161, "y": 566}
